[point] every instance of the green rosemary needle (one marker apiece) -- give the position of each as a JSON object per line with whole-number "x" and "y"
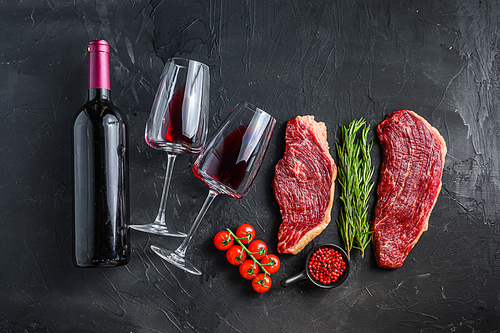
{"x": 355, "y": 173}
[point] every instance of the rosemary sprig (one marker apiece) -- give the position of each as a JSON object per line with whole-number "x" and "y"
{"x": 355, "y": 173}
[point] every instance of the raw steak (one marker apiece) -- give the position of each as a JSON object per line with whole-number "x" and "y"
{"x": 304, "y": 184}
{"x": 410, "y": 181}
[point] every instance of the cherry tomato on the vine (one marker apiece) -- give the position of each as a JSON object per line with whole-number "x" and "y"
{"x": 261, "y": 283}
{"x": 258, "y": 249}
{"x": 249, "y": 269}
{"x": 246, "y": 233}
{"x": 223, "y": 240}
{"x": 236, "y": 255}
{"x": 271, "y": 263}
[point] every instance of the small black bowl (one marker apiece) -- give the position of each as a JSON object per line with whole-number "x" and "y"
{"x": 305, "y": 274}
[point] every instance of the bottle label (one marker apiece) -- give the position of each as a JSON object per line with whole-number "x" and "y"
{"x": 99, "y": 65}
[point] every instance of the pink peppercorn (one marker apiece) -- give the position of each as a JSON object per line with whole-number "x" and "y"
{"x": 326, "y": 265}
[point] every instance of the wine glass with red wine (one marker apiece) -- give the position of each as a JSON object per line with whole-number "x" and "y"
{"x": 228, "y": 165}
{"x": 177, "y": 124}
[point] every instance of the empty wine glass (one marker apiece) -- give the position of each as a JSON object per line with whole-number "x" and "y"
{"x": 228, "y": 165}
{"x": 177, "y": 124}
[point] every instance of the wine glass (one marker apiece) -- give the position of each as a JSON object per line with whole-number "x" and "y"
{"x": 177, "y": 124}
{"x": 228, "y": 165}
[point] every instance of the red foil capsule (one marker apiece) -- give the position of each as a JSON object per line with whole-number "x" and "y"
{"x": 99, "y": 65}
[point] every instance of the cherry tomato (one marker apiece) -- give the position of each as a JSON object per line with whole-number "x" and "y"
{"x": 246, "y": 232}
{"x": 258, "y": 249}
{"x": 271, "y": 263}
{"x": 236, "y": 255}
{"x": 249, "y": 269}
{"x": 223, "y": 240}
{"x": 261, "y": 283}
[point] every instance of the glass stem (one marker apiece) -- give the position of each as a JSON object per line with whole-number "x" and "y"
{"x": 181, "y": 250}
{"x": 160, "y": 218}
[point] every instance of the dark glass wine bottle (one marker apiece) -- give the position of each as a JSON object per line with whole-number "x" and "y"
{"x": 100, "y": 172}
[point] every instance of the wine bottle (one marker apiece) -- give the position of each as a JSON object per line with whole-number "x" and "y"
{"x": 100, "y": 172}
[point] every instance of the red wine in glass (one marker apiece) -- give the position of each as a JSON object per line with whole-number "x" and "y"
{"x": 225, "y": 164}
{"x": 177, "y": 124}
{"x": 173, "y": 125}
{"x": 173, "y": 128}
{"x": 228, "y": 165}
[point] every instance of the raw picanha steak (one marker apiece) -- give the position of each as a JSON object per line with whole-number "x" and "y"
{"x": 304, "y": 184}
{"x": 410, "y": 180}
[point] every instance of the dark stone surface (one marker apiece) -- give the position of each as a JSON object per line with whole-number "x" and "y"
{"x": 336, "y": 60}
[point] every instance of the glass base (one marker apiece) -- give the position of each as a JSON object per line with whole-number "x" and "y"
{"x": 176, "y": 260}
{"x": 159, "y": 229}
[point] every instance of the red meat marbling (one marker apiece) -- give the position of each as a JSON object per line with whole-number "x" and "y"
{"x": 410, "y": 181}
{"x": 304, "y": 184}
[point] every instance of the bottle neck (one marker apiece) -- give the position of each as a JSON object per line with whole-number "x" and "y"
{"x": 99, "y": 93}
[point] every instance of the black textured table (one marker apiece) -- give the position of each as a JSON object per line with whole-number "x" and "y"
{"x": 336, "y": 60}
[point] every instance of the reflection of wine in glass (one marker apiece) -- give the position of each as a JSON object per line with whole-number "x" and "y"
{"x": 228, "y": 165}
{"x": 177, "y": 124}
